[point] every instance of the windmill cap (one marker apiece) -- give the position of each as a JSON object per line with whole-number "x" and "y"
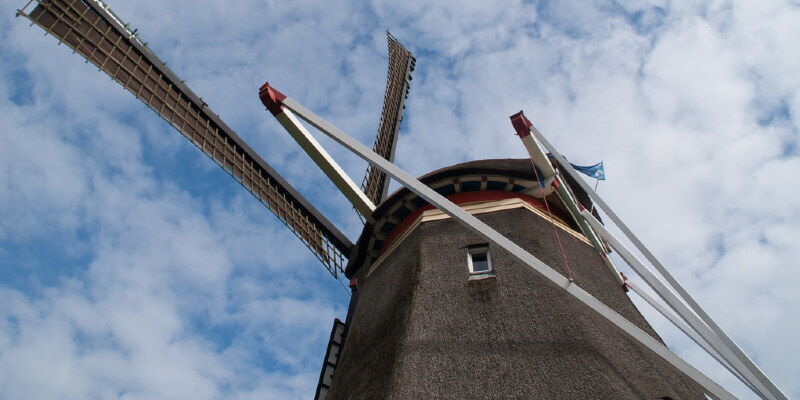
{"x": 271, "y": 98}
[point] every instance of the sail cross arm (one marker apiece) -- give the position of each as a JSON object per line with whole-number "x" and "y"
{"x": 91, "y": 30}
{"x": 773, "y": 391}
{"x": 401, "y": 64}
{"x": 717, "y": 347}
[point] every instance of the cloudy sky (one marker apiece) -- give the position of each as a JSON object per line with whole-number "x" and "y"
{"x": 131, "y": 266}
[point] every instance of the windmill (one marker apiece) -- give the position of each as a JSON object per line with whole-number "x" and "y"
{"x": 98, "y": 35}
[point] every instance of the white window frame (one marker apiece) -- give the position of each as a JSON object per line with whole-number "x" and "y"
{"x": 478, "y": 249}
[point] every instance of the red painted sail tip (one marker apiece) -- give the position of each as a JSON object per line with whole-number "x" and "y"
{"x": 521, "y": 124}
{"x": 625, "y": 286}
{"x": 271, "y": 98}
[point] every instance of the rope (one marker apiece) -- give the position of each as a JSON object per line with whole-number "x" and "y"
{"x": 550, "y": 214}
{"x": 346, "y": 290}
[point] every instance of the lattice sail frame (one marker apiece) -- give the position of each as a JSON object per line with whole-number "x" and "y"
{"x": 94, "y": 32}
{"x": 401, "y": 64}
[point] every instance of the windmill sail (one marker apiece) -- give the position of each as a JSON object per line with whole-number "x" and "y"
{"x": 401, "y": 64}
{"x": 94, "y": 32}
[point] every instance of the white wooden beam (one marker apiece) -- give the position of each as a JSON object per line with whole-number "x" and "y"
{"x": 686, "y": 329}
{"x": 311, "y": 146}
{"x": 666, "y": 294}
{"x": 564, "y": 164}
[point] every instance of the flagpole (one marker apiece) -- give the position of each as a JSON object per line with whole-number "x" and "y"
{"x": 596, "y": 182}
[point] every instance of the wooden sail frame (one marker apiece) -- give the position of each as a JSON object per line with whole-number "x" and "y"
{"x": 94, "y": 32}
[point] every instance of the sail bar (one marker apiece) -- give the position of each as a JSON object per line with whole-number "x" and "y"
{"x": 550, "y": 176}
{"x": 564, "y": 165}
{"x": 669, "y": 297}
{"x": 326, "y": 163}
{"x": 89, "y": 28}
{"x": 686, "y": 329}
{"x": 401, "y": 64}
{"x": 491, "y": 235}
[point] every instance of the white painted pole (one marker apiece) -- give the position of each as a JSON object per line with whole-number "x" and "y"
{"x": 564, "y": 164}
{"x": 272, "y": 99}
{"x": 539, "y": 158}
{"x": 678, "y": 306}
{"x": 326, "y": 163}
{"x": 688, "y": 331}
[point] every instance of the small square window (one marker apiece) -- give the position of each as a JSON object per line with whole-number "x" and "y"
{"x": 479, "y": 261}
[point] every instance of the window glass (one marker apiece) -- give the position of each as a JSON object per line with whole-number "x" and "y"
{"x": 479, "y": 260}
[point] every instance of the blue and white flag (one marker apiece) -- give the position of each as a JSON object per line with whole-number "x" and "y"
{"x": 593, "y": 171}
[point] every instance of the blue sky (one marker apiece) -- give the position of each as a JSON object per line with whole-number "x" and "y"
{"x": 131, "y": 266}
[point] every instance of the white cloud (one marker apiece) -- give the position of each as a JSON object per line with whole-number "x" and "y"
{"x": 183, "y": 286}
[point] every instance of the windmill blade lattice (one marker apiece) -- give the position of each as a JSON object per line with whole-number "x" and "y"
{"x": 94, "y": 32}
{"x": 401, "y": 64}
